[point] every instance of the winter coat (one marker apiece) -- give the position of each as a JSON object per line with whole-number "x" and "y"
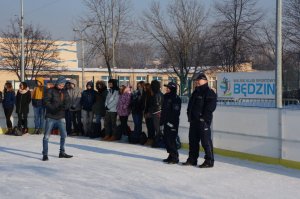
{"x": 23, "y": 100}
{"x": 138, "y": 102}
{"x": 56, "y": 102}
{"x": 111, "y": 101}
{"x": 171, "y": 110}
{"x": 75, "y": 97}
{"x": 38, "y": 93}
{"x": 88, "y": 99}
{"x": 202, "y": 104}
{"x": 123, "y": 104}
{"x": 9, "y": 99}
{"x": 99, "y": 105}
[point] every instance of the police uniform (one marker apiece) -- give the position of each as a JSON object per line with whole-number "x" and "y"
{"x": 200, "y": 110}
{"x": 170, "y": 121}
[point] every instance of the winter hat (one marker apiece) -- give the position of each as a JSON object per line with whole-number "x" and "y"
{"x": 200, "y": 76}
{"x": 73, "y": 81}
{"x": 60, "y": 80}
{"x": 90, "y": 83}
{"x": 172, "y": 86}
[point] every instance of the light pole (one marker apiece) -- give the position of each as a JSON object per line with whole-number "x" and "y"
{"x": 22, "y": 44}
{"x": 279, "y": 53}
{"x": 82, "y": 51}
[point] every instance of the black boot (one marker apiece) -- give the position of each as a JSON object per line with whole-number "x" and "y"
{"x": 189, "y": 162}
{"x": 64, "y": 155}
{"x": 167, "y": 159}
{"x": 45, "y": 158}
{"x": 207, "y": 164}
{"x": 173, "y": 161}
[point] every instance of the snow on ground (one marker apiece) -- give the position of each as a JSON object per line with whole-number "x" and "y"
{"x": 118, "y": 170}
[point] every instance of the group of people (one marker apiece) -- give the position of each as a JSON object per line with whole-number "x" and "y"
{"x": 72, "y": 111}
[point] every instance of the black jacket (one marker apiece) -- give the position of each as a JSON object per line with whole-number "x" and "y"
{"x": 137, "y": 103}
{"x": 202, "y": 104}
{"x": 56, "y": 102}
{"x": 22, "y": 102}
{"x": 170, "y": 110}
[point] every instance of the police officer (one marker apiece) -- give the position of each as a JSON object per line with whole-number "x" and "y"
{"x": 200, "y": 114}
{"x": 170, "y": 121}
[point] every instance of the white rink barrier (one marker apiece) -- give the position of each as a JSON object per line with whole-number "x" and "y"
{"x": 266, "y": 132}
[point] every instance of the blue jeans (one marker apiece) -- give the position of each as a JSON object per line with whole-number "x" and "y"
{"x": 138, "y": 122}
{"x": 39, "y": 117}
{"x": 60, "y": 124}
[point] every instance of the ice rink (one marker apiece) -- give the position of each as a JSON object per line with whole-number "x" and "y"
{"x": 118, "y": 170}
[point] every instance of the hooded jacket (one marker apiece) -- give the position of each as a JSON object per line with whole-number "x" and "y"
{"x": 75, "y": 96}
{"x": 38, "y": 93}
{"x": 123, "y": 108}
{"x": 23, "y": 100}
{"x": 88, "y": 98}
{"x": 56, "y": 102}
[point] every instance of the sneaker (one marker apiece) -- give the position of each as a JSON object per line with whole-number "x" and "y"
{"x": 189, "y": 163}
{"x": 64, "y": 155}
{"x": 45, "y": 158}
{"x": 207, "y": 164}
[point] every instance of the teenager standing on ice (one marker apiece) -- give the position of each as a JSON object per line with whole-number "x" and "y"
{"x": 56, "y": 102}
{"x": 200, "y": 110}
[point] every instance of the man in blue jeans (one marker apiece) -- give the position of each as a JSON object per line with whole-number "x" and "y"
{"x": 56, "y": 102}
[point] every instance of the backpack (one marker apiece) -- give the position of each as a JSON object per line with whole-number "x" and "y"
{"x": 158, "y": 141}
{"x": 17, "y": 132}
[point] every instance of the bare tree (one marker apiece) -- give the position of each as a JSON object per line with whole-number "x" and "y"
{"x": 177, "y": 31}
{"x": 136, "y": 55}
{"x": 235, "y": 31}
{"x": 109, "y": 24}
{"x": 40, "y": 50}
{"x": 292, "y": 22}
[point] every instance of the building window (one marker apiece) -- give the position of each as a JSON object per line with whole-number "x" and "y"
{"x": 105, "y": 79}
{"x": 124, "y": 79}
{"x": 157, "y": 78}
{"x": 141, "y": 78}
{"x": 172, "y": 79}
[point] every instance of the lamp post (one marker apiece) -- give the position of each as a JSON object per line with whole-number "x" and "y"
{"x": 279, "y": 53}
{"x": 22, "y": 44}
{"x": 82, "y": 51}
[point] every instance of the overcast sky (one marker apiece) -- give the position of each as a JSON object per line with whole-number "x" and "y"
{"x": 58, "y": 16}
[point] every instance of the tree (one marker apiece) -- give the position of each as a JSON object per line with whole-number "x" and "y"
{"x": 136, "y": 55}
{"x": 177, "y": 33}
{"x": 109, "y": 23}
{"x": 40, "y": 51}
{"x": 235, "y": 32}
{"x": 292, "y": 22}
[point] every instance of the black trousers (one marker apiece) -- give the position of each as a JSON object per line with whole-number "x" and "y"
{"x": 73, "y": 118}
{"x": 170, "y": 136}
{"x": 22, "y": 120}
{"x": 200, "y": 131}
{"x": 150, "y": 127}
{"x": 8, "y": 112}
{"x": 110, "y": 123}
{"x": 124, "y": 125}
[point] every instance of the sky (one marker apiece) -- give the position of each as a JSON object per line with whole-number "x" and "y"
{"x": 59, "y": 16}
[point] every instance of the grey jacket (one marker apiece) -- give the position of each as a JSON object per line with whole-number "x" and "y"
{"x": 112, "y": 100}
{"x": 75, "y": 96}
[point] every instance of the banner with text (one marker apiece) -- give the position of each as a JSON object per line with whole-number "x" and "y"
{"x": 247, "y": 85}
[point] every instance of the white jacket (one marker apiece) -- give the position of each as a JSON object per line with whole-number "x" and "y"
{"x": 112, "y": 99}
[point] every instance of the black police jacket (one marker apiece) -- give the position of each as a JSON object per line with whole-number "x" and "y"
{"x": 171, "y": 110}
{"x": 202, "y": 104}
